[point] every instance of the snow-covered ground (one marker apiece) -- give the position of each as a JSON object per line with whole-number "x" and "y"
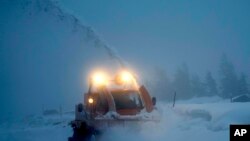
{"x": 189, "y": 120}
{"x": 44, "y": 51}
{"x": 37, "y": 128}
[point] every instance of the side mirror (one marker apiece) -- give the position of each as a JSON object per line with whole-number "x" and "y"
{"x": 80, "y": 107}
{"x": 154, "y": 101}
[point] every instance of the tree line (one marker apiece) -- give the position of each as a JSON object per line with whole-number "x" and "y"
{"x": 229, "y": 84}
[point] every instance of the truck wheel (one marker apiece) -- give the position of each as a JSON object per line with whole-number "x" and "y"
{"x": 70, "y": 139}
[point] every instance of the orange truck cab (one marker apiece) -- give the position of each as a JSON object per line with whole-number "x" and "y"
{"x": 121, "y": 101}
{"x": 111, "y": 102}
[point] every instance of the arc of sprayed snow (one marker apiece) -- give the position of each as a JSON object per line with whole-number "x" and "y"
{"x": 111, "y": 52}
{"x": 61, "y": 13}
{"x": 114, "y": 55}
{"x": 91, "y": 34}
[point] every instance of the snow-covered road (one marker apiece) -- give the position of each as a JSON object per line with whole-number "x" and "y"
{"x": 188, "y": 120}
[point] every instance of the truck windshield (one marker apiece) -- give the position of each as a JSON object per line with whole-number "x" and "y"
{"x": 127, "y": 100}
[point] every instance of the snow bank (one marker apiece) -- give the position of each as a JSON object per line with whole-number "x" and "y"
{"x": 186, "y": 121}
{"x": 191, "y": 122}
{"x": 37, "y": 128}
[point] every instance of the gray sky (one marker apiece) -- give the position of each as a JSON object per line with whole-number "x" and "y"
{"x": 42, "y": 59}
{"x": 195, "y": 32}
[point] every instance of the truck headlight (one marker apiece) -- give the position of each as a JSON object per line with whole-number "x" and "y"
{"x": 124, "y": 77}
{"x": 99, "y": 79}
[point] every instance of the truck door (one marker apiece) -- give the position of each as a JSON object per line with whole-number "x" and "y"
{"x": 147, "y": 99}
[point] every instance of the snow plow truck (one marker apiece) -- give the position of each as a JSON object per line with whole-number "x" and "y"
{"x": 116, "y": 101}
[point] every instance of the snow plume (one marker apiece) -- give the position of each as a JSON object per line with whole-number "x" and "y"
{"x": 46, "y": 54}
{"x": 53, "y": 7}
{"x": 112, "y": 53}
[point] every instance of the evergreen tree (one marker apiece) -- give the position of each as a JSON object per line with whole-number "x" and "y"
{"x": 243, "y": 86}
{"x": 181, "y": 83}
{"x": 229, "y": 86}
{"x": 160, "y": 84}
{"x": 198, "y": 87}
{"x": 211, "y": 86}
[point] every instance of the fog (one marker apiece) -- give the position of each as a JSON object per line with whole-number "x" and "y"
{"x": 46, "y": 55}
{"x": 193, "y": 32}
{"x": 49, "y": 47}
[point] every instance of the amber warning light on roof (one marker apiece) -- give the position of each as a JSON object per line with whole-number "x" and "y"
{"x": 101, "y": 78}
